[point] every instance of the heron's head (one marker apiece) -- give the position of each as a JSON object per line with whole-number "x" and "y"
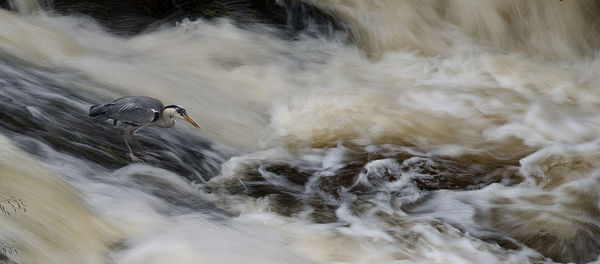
{"x": 173, "y": 111}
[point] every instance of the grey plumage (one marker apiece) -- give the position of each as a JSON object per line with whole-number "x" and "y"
{"x": 137, "y": 112}
{"x": 128, "y": 111}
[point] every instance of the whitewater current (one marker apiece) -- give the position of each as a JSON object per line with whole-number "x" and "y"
{"x": 419, "y": 132}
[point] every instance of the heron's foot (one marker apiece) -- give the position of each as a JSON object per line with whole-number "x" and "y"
{"x": 134, "y": 158}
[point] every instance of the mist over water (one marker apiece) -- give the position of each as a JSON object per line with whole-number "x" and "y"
{"x": 416, "y": 132}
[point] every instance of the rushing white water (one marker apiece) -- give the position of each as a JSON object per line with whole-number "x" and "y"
{"x": 53, "y": 227}
{"x": 444, "y": 132}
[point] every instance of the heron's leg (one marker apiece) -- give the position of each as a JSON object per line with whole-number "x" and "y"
{"x": 131, "y": 155}
{"x": 132, "y": 132}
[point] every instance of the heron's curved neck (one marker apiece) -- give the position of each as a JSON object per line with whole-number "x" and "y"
{"x": 166, "y": 119}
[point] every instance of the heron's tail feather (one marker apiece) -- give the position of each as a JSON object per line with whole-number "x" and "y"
{"x": 95, "y": 110}
{"x": 98, "y": 112}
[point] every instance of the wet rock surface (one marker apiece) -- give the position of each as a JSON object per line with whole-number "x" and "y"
{"x": 132, "y": 17}
{"x": 37, "y": 109}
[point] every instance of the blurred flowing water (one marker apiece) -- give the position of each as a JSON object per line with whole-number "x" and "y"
{"x": 423, "y": 132}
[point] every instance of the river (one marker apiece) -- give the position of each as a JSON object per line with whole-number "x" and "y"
{"x": 418, "y": 132}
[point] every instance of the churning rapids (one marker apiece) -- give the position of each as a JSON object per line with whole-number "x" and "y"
{"x": 419, "y": 132}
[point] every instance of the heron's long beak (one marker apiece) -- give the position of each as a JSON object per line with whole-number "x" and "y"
{"x": 187, "y": 118}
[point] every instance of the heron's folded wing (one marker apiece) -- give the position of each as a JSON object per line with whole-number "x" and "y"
{"x": 133, "y": 113}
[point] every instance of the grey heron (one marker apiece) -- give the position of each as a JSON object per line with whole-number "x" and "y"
{"x": 133, "y": 113}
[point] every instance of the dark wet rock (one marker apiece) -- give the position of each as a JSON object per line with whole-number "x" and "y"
{"x": 451, "y": 175}
{"x": 292, "y": 189}
{"x": 135, "y": 16}
{"x": 35, "y": 109}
